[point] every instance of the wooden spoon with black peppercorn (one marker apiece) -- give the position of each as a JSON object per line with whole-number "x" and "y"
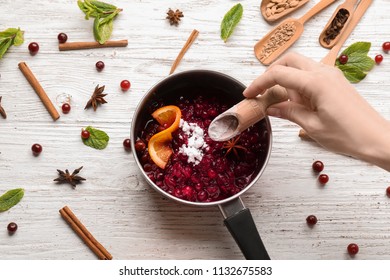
{"x": 339, "y": 20}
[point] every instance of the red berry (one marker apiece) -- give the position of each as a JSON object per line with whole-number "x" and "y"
{"x": 36, "y": 149}
{"x": 343, "y": 59}
{"x": 140, "y": 146}
{"x": 12, "y": 227}
{"x": 65, "y": 108}
{"x": 311, "y": 220}
{"x": 386, "y": 46}
{"x": 323, "y": 179}
{"x": 85, "y": 134}
{"x": 127, "y": 144}
{"x": 388, "y": 191}
{"x": 99, "y": 65}
{"x": 33, "y": 48}
{"x": 125, "y": 85}
{"x": 353, "y": 249}
{"x": 62, "y": 38}
{"x": 378, "y": 58}
{"x": 318, "y": 166}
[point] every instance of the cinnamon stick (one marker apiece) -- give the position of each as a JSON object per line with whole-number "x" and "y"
{"x": 69, "y": 46}
{"x": 84, "y": 234}
{"x": 186, "y": 46}
{"x": 39, "y": 90}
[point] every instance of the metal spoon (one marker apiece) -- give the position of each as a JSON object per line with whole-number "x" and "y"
{"x": 346, "y": 8}
{"x": 284, "y": 8}
{"x": 267, "y": 51}
{"x": 244, "y": 114}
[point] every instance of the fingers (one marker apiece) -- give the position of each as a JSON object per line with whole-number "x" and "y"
{"x": 287, "y": 77}
{"x": 294, "y": 112}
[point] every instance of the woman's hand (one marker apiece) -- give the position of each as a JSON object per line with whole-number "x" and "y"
{"x": 328, "y": 107}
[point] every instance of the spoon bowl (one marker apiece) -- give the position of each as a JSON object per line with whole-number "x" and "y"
{"x": 339, "y": 20}
{"x": 273, "y": 10}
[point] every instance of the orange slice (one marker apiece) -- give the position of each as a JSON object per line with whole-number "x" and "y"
{"x": 159, "y": 145}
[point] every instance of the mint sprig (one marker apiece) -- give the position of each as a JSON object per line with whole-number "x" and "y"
{"x": 230, "y": 20}
{"x": 98, "y": 139}
{"x": 104, "y": 15}
{"x": 359, "y": 63}
{"x": 10, "y": 199}
{"x": 9, "y": 37}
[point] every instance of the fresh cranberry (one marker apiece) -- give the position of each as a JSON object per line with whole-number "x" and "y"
{"x": 318, "y": 166}
{"x": 12, "y": 227}
{"x": 323, "y": 179}
{"x": 388, "y": 191}
{"x": 353, "y": 249}
{"x": 36, "y": 149}
{"x": 386, "y": 47}
{"x": 140, "y": 145}
{"x": 65, "y": 108}
{"x": 311, "y": 220}
{"x": 343, "y": 59}
{"x": 62, "y": 38}
{"x": 85, "y": 134}
{"x": 378, "y": 58}
{"x": 125, "y": 85}
{"x": 99, "y": 65}
{"x": 33, "y": 48}
{"x": 127, "y": 144}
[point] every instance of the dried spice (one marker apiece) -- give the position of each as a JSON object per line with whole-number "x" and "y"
{"x": 281, "y": 35}
{"x": 66, "y": 177}
{"x": 233, "y": 146}
{"x": 2, "y": 111}
{"x": 96, "y": 98}
{"x": 336, "y": 26}
{"x": 174, "y": 16}
{"x": 278, "y": 6}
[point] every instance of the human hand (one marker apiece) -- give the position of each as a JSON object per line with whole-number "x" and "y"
{"x": 327, "y": 106}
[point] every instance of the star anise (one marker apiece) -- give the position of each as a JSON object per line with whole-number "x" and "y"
{"x": 232, "y": 146}
{"x": 66, "y": 177}
{"x": 174, "y": 16}
{"x": 2, "y": 111}
{"x": 96, "y": 98}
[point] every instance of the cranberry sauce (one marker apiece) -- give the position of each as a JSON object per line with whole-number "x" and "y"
{"x": 218, "y": 174}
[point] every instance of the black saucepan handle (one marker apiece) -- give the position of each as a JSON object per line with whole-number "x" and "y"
{"x": 243, "y": 229}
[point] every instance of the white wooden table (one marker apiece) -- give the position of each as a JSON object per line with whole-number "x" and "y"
{"x": 129, "y": 218}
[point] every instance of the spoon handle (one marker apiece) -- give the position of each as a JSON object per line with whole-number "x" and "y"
{"x": 362, "y": 7}
{"x": 316, "y": 9}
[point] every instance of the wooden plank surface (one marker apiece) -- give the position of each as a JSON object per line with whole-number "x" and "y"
{"x": 129, "y": 218}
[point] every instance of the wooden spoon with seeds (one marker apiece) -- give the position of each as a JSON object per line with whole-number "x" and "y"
{"x": 337, "y": 23}
{"x": 273, "y": 10}
{"x": 279, "y": 39}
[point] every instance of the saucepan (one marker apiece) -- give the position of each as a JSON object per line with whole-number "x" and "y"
{"x": 237, "y": 217}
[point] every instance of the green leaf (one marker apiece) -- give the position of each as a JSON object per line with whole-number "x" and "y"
{"x": 104, "y": 6}
{"x": 19, "y": 39}
{"x": 352, "y": 73}
{"x": 358, "y": 63}
{"x": 10, "y": 199}
{"x": 4, "y": 46}
{"x": 102, "y": 28}
{"x": 98, "y": 139}
{"x": 230, "y": 20}
{"x": 358, "y": 47}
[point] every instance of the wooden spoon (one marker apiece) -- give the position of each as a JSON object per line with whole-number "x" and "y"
{"x": 346, "y": 8}
{"x": 362, "y": 7}
{"x": 282, "y": 8}
{"x": 289, "y": 31}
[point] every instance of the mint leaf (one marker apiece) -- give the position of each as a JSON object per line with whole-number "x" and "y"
{"x": 358, "y": 47}
{"x": 358, "y": 64}
{"x": 10, "y": 199}
{"x": 98, "y": 139}
{"x": 230, "y": 20}
{"x": 9, "y": 37}
{"x": 102, "y": 28}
